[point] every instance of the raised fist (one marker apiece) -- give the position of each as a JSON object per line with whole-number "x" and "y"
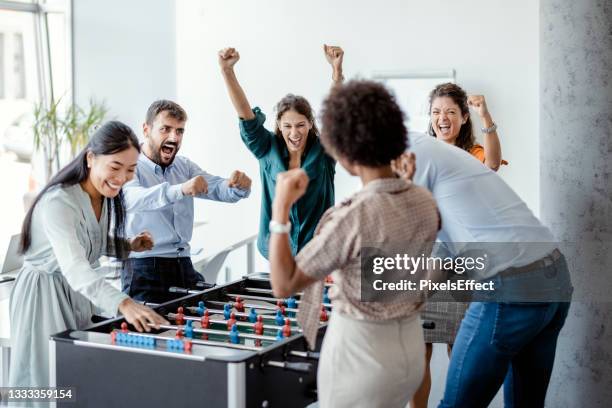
{"x": 404, "y": 166}
{"x": 228, "y": 57}
{"x": 333, "y": 55}
{"x": 291, "y": 185}
{"x": 195, "y": 186}
{"x": 478, "y": 102}
{"x": 239, "y": 180}
{"x": 142, "y": 242}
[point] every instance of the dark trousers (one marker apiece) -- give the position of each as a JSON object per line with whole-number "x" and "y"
{"x": 149, "y": 279}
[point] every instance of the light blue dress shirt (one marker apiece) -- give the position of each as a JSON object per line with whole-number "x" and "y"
{"x": 155, "y": 202}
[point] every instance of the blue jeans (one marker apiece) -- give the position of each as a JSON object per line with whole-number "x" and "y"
{"x": 149, "y": 279}
{"x": 513, "y": 343}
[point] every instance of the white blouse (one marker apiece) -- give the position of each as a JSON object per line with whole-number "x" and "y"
{"x": 67, "y": 237}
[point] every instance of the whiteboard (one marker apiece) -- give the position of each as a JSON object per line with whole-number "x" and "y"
{"x": 411, "y": 89}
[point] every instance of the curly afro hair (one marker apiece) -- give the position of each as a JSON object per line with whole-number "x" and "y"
{"x": 363, "y": 124}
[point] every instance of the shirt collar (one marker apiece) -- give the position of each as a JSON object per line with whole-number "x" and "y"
{"x": 386, "y": 185}
{"x": 150, "y": 164}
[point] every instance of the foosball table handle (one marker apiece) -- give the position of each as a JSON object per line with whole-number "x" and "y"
{"x": 176, "y": 289}
{"x": 291, "y": 366}
{"x": 305, "y": 354}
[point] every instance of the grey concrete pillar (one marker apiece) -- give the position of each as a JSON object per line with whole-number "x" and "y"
{"x": 576, "y": 188}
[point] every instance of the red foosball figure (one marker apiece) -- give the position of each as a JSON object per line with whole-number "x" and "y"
{"x": 238, "y": 304}
{"x": 287, "y": 328}
{"x": 231, "y": 321}
{"x": 205, "y": 321}
{"x": 280, "y": 306}
{"x": 259, "y": 329}
{"x": 180, "y": 317}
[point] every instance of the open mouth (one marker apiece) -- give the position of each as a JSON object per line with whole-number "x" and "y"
{"x": 444, "y": 129}
{"x": 295, "y": 142}
{"x": 168, "y": 150}
{"x": 113, "y": 186}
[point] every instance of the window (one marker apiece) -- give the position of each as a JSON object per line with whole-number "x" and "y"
{"x": 35, "y": 41}
{"x": 18, "y": 67}
{"x": 2, "y": 66}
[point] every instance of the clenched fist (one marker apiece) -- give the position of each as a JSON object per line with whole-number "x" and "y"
{"x": 228, "y": 57}
{"x": 239, "y": 180}
{"x": 478, "y": 102}
{"x": 404, "y": 166}
{"x": 195, "y": 186}
{"x": 290, "y": 186}
{"x": 142, "y": 242}
{"x": 333, "y": 55}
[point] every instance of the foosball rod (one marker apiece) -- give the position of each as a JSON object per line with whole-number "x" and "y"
{"x": 327, "y": 284}
{"x": 239, "y": 323}
{"x": 254, "y": 306}
{"x": 269, "y": 299}
{"x": 262, "y": 290}
{"x": 219, "y": 332}
{"x": 194, "y": 341}
{"x": 194, "y": 309}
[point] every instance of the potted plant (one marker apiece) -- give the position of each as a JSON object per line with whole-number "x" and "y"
{"x": 58, "y": 133}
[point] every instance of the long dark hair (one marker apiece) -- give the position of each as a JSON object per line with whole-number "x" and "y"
{"x": 112, "y": 137}
{"x": 466, "y": 138}
{"x": 301, "y": 106}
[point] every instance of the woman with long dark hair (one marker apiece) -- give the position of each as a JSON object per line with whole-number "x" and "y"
{"x": 78, "y": 217}
{"x": 451, "y": 122}
{"x": 293, "y": 144}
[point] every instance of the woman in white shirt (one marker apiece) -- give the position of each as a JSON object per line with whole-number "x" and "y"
{"x": 64, "y": 234}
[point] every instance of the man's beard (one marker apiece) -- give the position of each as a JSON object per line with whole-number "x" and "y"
{"x": 156, "y": 153}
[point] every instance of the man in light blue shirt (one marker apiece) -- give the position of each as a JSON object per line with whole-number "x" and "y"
{"x": 509, "y": 340}
{"x": 160, "y": 200}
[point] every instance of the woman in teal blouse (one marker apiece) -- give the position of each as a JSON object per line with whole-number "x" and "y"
{"x": 293, "y": 144}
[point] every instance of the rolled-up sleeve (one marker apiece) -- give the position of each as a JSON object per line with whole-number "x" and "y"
{"x": 59, "y": 219}
{"x": 255, "y": 136}
{"x": 335, "y": 244}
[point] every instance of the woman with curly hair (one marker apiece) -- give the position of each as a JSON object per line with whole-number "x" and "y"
{"x": 372, "y": 353}
{"x": 293, "y": 144}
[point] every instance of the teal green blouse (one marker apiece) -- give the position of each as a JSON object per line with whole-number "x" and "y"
{"x": 273, "y": 156}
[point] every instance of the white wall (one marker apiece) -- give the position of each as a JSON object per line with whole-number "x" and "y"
{"x": 493, "y": 46}
{"x": 124, "y": 53}
{"x": 134, "y": 52}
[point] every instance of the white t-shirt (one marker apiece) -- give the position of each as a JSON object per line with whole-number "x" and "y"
{"x": 476, "y": 205}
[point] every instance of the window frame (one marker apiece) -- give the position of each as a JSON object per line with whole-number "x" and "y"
{"x": 41, "y": 9}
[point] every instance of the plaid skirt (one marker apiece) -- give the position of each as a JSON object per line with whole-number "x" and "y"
{"x": 447, "y": 314}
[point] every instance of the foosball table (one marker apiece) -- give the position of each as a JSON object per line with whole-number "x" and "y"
{"x": 233, "y": 345}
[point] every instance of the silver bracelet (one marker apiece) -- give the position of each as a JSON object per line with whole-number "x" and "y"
{"x": 491, "y": 129}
